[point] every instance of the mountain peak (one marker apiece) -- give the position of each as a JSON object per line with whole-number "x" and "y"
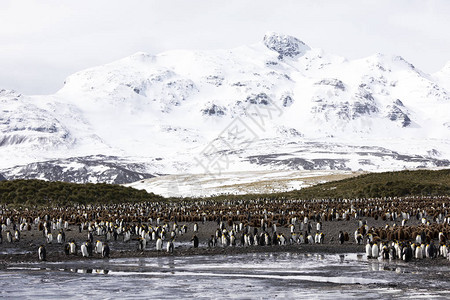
{"x": 141, "y": 56}
{"x": 220, "y": 111}
{"x": 285, "y": 45}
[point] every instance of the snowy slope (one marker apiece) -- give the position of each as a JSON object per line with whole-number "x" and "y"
{"x": 199, "y": 185}
{"x": 276, "y": 105}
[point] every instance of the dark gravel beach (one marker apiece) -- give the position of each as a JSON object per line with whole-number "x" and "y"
{"x": 26, "y": 249}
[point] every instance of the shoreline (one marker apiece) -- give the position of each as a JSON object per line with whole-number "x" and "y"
{"x": 96, "y": 263}
{"x": 190, "y": 251}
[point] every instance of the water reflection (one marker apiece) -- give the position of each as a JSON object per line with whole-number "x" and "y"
{"x": 141, "y": 262}
{"x": 171, "y": 263}
{"x": 88, "y": 271}
{"x": 378, "y": 266}
{"x": 256, "y": 275}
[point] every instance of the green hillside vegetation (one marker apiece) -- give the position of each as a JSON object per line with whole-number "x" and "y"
{"x": 372, "y": 185}
{"x": 389, "y": 184}
{"x": 46, "y": 193}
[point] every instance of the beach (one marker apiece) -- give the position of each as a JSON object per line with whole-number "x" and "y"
{"x": 26, "y": 249}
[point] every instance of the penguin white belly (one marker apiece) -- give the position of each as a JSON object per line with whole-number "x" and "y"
{"x": 98, "y": 247}
{"x": 84, "y": 251}
{"x": 159, "y": 245}
{"x": 368, "y": 251}
{"x": 49, "y": 238}
{"x": 418, "y": 253}
{"x": 170, "y": 246}
{"x": 41, "y": 253}
{"x": 127, "y": 236}
{"x": 375, "y": 251}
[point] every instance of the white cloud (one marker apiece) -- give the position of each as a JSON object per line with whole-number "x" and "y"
{"x": 44, "y": 41}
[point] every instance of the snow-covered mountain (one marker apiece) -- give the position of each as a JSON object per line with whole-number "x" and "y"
{"x": 275, "y": 105}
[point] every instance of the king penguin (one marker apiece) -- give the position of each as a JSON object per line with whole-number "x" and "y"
{"x": 375, "y": 250}
{"x": 98, "y": 247}
{"x": 42, "y": 253}
{"x": 195, "y": 227}
{"x": 84, "y": 250}
{"x": 105, "y": 250}
{"x": 195, "y": 241}
{"x": 369, "y": 250}
{"x": 49, "y": 238}
{"x": 170, "y": 246}
{"x": 141, "y": 244}
{"x": 9, "y": 236}
{"x": 73, "y": 248}
{"x": 341, "y": 237}
{"x": 159, "y": 244}
{"x": 59, "y": 238}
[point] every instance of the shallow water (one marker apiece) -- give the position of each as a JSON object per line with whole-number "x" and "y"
{"x": 258, "y": 275}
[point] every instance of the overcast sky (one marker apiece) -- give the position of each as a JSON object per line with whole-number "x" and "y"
{"x": 44, "y": 41}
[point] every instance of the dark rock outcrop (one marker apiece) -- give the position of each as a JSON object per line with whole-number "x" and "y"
{"x": 260, "y": 98}
{"x": 285, "y": 45}
{"x": 287, "y": 100}
{"x": 336, "y": 83}
{"x": 213, "y": 110}
{"x": 396, "y": 114}
{"x": 95, "y": 168}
